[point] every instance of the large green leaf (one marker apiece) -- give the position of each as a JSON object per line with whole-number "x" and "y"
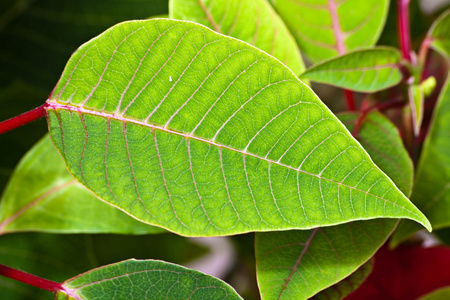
{"x": 439, "y": 34}
{"x": 326, "y": 28}
{"x": 431, "y": 190}
{"x": 61, "y": 256}
{"x": 145, "y": 279}
{"x": 38, "y": 37}
{"x": 252, "y": 21}
{"x": 299, "y": 264}
{"x": 203, "y": 134}
{"x": 367, "y": 70}
{"x": 54, "y": 202}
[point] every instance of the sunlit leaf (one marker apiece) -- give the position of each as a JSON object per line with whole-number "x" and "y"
{"x": 252, "y": 21}
{"x": 324, "y": 29}
{"x": 146, "y": 279}
{"x": 344, "y": 287}
{"x": 203, "y": 134}
{"x": 366, "y": 70}
{"x": 416, "y": 101}
{"x": 431, "y": 191}
{"x": 439, "y": 34}
{"x": 299, "y": 264}
{"x": 55, "y": 202}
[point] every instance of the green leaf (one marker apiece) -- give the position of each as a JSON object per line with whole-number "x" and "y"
{"x": 439, "y": 34}
{"x": 54, "y": 202}
{"x": 252, "y": 21}
{"x": 345, "y": 287}
{"x": 299, "y": 264}
{"x": 416, "y": 101}
{"x": 38, "y": 37}
{"x": 324, "y": 29}
{"x": 368, "y": 70}
{"x": 61, "y": 256}
{"x": 431, "y": 191}
{"x": 146, "y": 279}
{"x": 439, "y": 294}
{"x": 203, "y": 134}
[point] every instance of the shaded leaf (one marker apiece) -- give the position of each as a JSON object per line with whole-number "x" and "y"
{"x": 439, "y": 34}
{"x": 440, "y": 294}
{"x": 405, "y": 273}
{"x": 368, "y": 70}
{"x": 58, "y": 257}
{"x": 416, "y": 101}
{"x": 252, "y": 21}
{"x": 431, "y": 191}
{"x": 343, "y": 288}
{"x": 299, "y": 264}
{"x": 54, "y": 202}
{"x": 214, "y": 137}
{"x": 324, "y": 29}
{"x": 146, "y": 279}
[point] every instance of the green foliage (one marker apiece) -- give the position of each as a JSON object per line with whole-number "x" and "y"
{"x": 329, "y": 28}
{"x": 251, "y": 21}
{"x": 368, "y": 70}
{"x": 54, "y": 202}
{"x": 145, "y": 279}
{"x": 439, "y": 34}
{"x": 202, "y": 163}
{"x": 431, "y": 191}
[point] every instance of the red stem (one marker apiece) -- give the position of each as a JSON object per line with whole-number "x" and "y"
{"x": 403, "y": 28}
{"x": 23, "y": 119}
{"x": 350, "y": 100}
{"x": 33, "y": 280}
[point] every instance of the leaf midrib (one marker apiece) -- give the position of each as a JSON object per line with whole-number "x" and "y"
{"x": 53, "y": 105}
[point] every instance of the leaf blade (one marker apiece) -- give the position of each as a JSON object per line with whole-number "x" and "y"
{"x": 439, "y": 34}
{"x": 197, "y": 136}
{"x": 368, "y": 70}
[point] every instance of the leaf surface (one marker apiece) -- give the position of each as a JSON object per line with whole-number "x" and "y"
{"x": 299, "y": 264}
{"x": 439, "y": 34}
{"x": 368, "y": 70}
{"x": 203, "y": 134}
{"x": 439, "y": 294}
{"x": 252, "y": 21}
{"x": 431, "y": 191}
{"x": 326, "y": 28}
{"x": 146, "y": 279}
{"x": 416, "y": 98}
{"x": 54, "y": 202}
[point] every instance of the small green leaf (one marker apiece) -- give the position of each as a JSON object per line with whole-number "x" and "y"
{"x": 368, "y": 70}
{"x": 428, "y": 85}
{"x": 54, "y": 202}
{"x": 439, "y": 294}
{"x": 204, "y": 135}
{"x": 416, "y": 101}
{"x": 252, "y": 21}
{"x": 431, "y": 191}
{"x": 324, "y": 29}
{"x": 299, "y": 264}
{"x": 146, "y": 279}
{"x": 345, "y": 287}
{"x": 439, "y": 34}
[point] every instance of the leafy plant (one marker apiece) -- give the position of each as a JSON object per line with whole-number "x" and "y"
{"x": 202, "y": 123}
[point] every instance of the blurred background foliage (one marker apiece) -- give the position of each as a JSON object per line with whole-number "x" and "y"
{"x": 37, "y": 37}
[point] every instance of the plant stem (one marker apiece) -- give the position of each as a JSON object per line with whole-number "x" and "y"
{"x": 403, "y": 28}
{"x": 350, "y": 100}
{"x": 23, "y": 119}
{"x": 423, "y": 56}
{"x": 33, "y": 280}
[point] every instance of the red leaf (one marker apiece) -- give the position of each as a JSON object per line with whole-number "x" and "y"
{"x": 405, "y": 273}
